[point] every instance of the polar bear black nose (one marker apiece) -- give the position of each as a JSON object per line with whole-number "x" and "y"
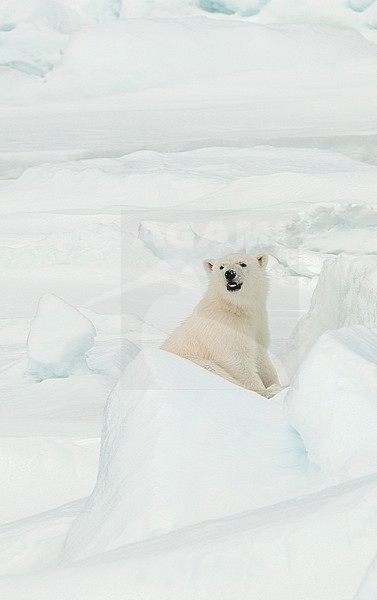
{"x": 229, "y": 275}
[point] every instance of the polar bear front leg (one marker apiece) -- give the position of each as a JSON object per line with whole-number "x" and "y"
{"x": 255, "y": 383}
{"x": 250, "y": 381}
{"x": 266, "y": 369}
{"x": 214, "y": 368}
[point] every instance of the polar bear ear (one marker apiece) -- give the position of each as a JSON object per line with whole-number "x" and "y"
{"x": 208, "y": 264}
{"x": 262, "y": 260}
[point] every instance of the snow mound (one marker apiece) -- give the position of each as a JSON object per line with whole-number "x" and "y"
{"x": 299, "y": 239}
{"x": 265, "y": 551}
{"x": 368, "y": 586}
{"x": 111, "y": 357}
{"x": 26, "y": 49}
{"x": 177, "y": 240}
{"x": 61, "y": 15}
{"x": 332, "y": 401}
{"x": 355, "y": 14}
{"x": 198, "y": 49}
{"x": 345, "y": 295}
{"x": 180, "y": 446}
{"x": 151, "y": 178}
{"x": 59, "y": 338}
{"x": 36, "y": 541}
{"x": 33, "y": 33}
{"x": 52, "y": 469}
{"x": 335, "y": 228}
{"x": 97, "y": 244}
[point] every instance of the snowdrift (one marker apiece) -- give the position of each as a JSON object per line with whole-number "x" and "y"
{"x": 200, "y": 89}
{"x": 53, "y": 470}
{"x": 256, "y": 176}
{"x": 300, "y": 240}
{"x": 36, "y": 541}
{"x": 355, "y": 14}
{"x": 332, "y": 402}
{"x": 180, "y": 446}
{"x": 176, "y": 453}
{"x": 59, "y": 338}
{"x": 197, "y": 48}
{"x": 315, "y": 547}
{"x": 368, "y": 586}
{"x": 33, "y": 33}
{"x": 345, "y": 295}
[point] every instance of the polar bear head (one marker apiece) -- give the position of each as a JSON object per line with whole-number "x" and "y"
{"x": 238, "y": 278}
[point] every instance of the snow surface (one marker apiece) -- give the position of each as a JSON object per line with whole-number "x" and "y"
{"x": 200, "y": 463}
{"x": 59, "y": 338}
{"x": 137, "y": 139}
{"x": 345, "y": 295}
{"x": 336, "y": 412}
{"x": 354, "y": 14}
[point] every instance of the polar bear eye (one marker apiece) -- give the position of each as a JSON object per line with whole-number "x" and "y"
{"x": 222, "y": 266}
{"x": 243, "y": 265}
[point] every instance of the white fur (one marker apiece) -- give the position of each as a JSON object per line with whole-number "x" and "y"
{"x": 228, "y": 331}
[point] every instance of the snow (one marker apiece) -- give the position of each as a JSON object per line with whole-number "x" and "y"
{"x": 59, "y": 339}
{"x": 199, "y": 463}
{"x": 369, "y": 582}
{"x": 354, "y": 14}
{"x": 233, "y": 555}
{"x": 53, "y": 470}
{"x": 34, "y": 33}
{"x": 193, "y": 93}
{"x": 138, "y": 139}
{"x": 183, "y": 59}
{"x": 345, "y": 295}
{"x": 61, "y": 15}
{"x": 336, "y": 413}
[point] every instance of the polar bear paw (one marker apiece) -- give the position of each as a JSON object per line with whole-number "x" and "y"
{"x": 272, "y": 390}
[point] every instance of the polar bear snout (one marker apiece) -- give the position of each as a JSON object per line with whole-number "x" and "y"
{"x": 233, "y": 280}
{"x": 230, "y": 274}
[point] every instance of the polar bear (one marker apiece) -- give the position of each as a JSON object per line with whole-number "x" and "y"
{"x": 228, "y": 331}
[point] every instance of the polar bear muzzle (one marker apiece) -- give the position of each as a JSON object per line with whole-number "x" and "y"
{"x": 232, "y": 285}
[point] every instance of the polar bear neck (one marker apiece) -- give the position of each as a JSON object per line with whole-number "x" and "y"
{"x": 220, "y": 307}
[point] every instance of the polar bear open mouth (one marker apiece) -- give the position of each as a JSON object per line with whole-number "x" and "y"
{"x": 233, "y": 286}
